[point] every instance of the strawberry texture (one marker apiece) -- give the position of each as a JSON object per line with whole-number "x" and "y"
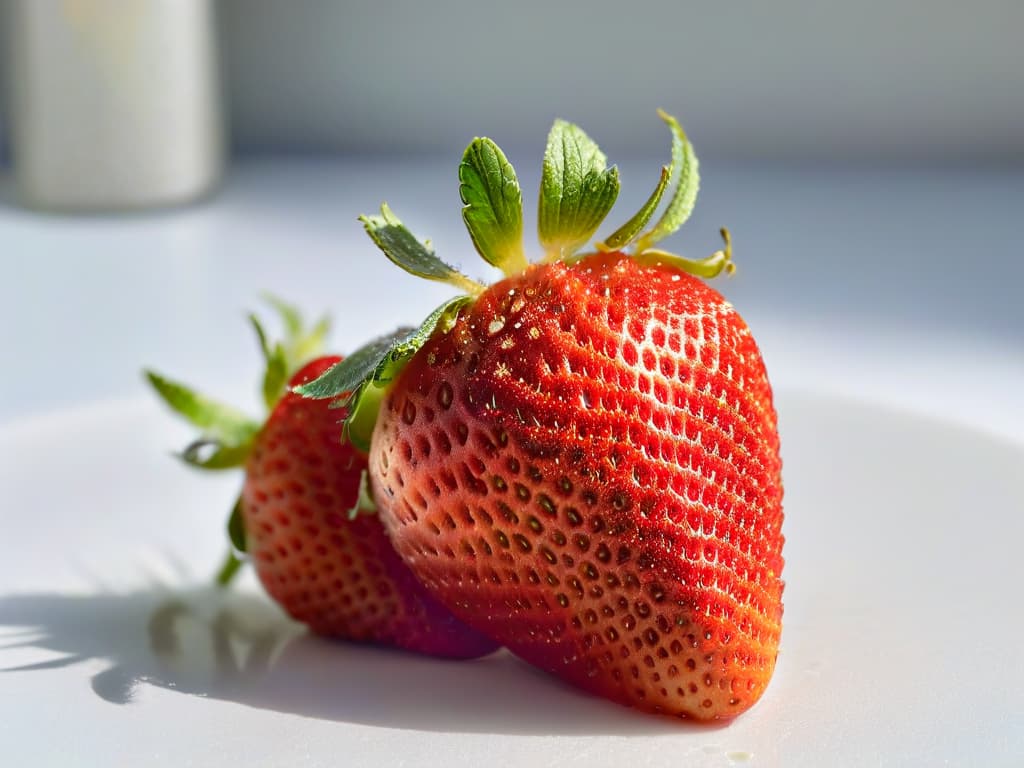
{"x": 586, "y": 468}
{"x": 340, "y": 576}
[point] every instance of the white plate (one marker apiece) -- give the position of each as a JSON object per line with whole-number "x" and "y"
{"x": 901, "y": 645}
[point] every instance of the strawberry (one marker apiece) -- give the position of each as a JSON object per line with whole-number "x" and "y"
{"x": 582, "y": 460}
{"x": 302, "y": 516}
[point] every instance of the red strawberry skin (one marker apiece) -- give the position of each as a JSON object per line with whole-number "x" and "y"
{"x": 340, "y": 576}
{"x": 586, "y": 468}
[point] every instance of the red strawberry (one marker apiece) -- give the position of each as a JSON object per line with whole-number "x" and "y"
{"x": 325, "y": 560}
{"x": 582, "y": 460}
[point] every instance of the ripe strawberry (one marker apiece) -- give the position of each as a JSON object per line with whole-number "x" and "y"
{"x": 302, "y": 519}
{"x": 582, "y": 460}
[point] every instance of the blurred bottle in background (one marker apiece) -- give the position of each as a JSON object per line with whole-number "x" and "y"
{"x": 116, "y": 103}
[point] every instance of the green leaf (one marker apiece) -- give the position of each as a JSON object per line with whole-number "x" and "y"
{"x": 493, "y": 210}
{"x": 284, "y": 358}
{"x": 220, "y": 422}
{"x": 383, "y": 358}
{"x": 576, "y": 192}
{"x": 205, "y": 453}
{"x": 402, "y": 248}
{"x": 276, "y": 358}
{"x": 276, "y": 376}
{"x": 348, "y": 375}
{"x": 625, "y": 234}
{"x": 684, "y": 160}
{"x": 236, "y": 527}
{"x": 228, "y": 569}
{"x": 236, "y": 534}
{"x": 261, "y": 335}
{"x": 364, "y": 501}
{"x": 363, "y": 407}
{"x": 359, "y": 380}
{"x": 290, "y": 315}
{"x": 308, "y": 345}
{"x": 712, "y": 266}
{"x": 299, "y": 345}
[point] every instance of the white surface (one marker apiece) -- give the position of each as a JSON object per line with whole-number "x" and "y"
{"x": 901, "y": 641}
{"x": 899, "y": 369}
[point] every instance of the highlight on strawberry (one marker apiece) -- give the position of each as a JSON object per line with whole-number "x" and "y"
{"x": 582, "y": 459}
{"x": 304, "y": 518}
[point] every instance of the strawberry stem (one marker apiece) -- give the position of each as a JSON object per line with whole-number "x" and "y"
{"x": 228, "y": 570}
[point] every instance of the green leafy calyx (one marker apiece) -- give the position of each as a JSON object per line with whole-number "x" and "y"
{"x": 285, "y": 357}
{"x": 359, "y": 381}
{"x": 227, "y": 434}
{"x": 577, "y": 192}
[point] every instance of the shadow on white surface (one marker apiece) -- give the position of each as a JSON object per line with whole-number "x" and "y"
{"x": 900, "y": 643}
{"x": 236, "y": 646}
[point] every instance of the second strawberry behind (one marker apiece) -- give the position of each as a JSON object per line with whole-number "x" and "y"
{"x": 303, "y": 518}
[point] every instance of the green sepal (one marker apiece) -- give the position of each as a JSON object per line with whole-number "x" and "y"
{"x": 236, "y": 535}
{"x": 205, "y": 453}
{"x": 219, "y": 422}
{"x": 363, "y": 407}
{"x": 365, "y": 504}
{"x": 686, "y": 168}
{"x": 358, "y": 381}
{"x": 290, "y": 315}
{"x": 625, "y": 234}
{"x": 493, "y": 210}
{"x": 712, "y": 266}
{"x": 383, "y": 358}
{"x": 299, "y": 345}
{"x": 236, "y": 527}
{"x": 416, "y": 258}
{"x": 231, "y": 565}
{"x": 348, "y": 375}
{"x": 283, "y": 358}
{"x": 577, "y": 190}
{"x": 276, "y": 374}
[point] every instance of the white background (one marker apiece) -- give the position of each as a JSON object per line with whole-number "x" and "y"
{"x": 873, "y": 82}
